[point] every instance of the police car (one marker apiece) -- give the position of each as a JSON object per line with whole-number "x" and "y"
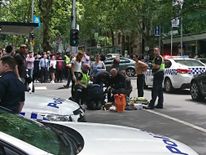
{"x": 52, "y": 109}
{"x": 20, "y": 136}
{"x": 179, "y": 72}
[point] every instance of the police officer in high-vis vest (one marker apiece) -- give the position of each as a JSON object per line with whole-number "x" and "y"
{"x": 158, "y": 67}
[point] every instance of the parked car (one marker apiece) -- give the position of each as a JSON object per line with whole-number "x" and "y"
{"x": 52, "y": 109}
{"x": 179, "y": 72}
{"x": 113, "y": 55}
{"x": 125, "y": 64}
{"x": 198, "y": 87}
{"x": 20, "y": 136}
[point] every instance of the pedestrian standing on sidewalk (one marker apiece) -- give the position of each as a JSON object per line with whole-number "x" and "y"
{"x": 20, "y": 58}
{"x": 140, "y": 68}
{"x": 12, "y": 95}
{"x": 52, "y": 68}
{"x": 158, "y": 67}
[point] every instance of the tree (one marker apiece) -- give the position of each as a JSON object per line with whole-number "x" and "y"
{"x": 45, "y": 7}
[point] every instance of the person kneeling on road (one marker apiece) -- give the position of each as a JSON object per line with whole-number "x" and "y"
{"x": 12, "y": 90}
{"x": 81, "y": 84}
{"x": 120, "y": 84}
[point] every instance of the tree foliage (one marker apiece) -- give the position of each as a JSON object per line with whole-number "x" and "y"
{"x": 133, "y": 18}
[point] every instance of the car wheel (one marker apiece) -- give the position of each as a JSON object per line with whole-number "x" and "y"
{"x": 130, "y": 72}
{"x": 195, "y": 92}
{"x": 168, "y": 85}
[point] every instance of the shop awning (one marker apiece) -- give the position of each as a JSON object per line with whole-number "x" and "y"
{"x": 17, "y": 28}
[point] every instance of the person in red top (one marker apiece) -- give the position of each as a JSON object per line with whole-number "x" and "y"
{"x": 59, "y": 68}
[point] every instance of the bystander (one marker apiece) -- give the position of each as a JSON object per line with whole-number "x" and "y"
{"x": 12, "y": 95}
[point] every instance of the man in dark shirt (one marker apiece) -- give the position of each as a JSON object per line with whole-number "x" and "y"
{"x": 20, "y": 58}
{"x": 12, "y": 93}
{"x": 119, "y": 83}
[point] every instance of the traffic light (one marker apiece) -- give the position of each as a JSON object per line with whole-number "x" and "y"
{"x": 74, "y": 37}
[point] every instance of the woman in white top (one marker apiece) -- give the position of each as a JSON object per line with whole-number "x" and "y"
{"x": 76, "y": 65}
{"x": 52, "y": 68}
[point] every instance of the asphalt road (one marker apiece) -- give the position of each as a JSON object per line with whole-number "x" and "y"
{"x": 181, "y": 119}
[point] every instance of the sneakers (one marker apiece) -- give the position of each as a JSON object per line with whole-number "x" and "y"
{"x": 52, "y": 82}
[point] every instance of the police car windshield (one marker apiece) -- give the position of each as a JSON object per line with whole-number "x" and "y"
{"x": 33, "y": 133}
{"x": 189, "y": 62}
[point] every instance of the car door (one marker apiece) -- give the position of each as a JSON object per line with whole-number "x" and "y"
{"x": 108, "y": 63}
{"x": 124, "y": 63}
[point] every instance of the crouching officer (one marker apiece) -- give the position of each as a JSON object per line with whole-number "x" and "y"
{"x": 158, "y": 68}
{"x": 12, "y": 90}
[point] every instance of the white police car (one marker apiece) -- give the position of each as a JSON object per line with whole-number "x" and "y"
{"x": 20, "y": 136}
{"x": 52, "y": 109}
{"x": 179, "y": 72}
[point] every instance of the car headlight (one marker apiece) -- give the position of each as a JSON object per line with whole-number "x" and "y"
{"x": 54, "y": 117}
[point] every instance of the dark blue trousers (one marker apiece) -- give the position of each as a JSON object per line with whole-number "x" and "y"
{"x": 157, "y": 90}
{"x": 140, "y": 84}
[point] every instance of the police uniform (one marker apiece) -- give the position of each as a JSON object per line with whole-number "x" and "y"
{"x": 12, "y": 91}
{"x": 157, "y": 90}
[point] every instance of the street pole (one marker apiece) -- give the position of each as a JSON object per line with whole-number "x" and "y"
{"x": 32, "y": 20}
{"x": 160, "y": 39}
{"x": 32, "y": 11}
{"x": 73, "y": 17}
{"x": 171, "y": 42}
{"x": 181, "y": 30}
{"x": 73, "y": 23}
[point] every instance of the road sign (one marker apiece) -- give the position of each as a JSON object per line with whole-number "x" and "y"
{"x": 157, "y": 31}
{"x": 36, "y": 19}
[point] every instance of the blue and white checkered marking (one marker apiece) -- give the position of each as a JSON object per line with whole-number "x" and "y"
{"x": 170, "y": 72}
{"x": 34, "y": 116}
{"x": 197, "y": 70}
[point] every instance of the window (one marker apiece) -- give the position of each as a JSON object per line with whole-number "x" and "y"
{"x": 189, "y": 62}
{"x": 123, "y": 61}
{"x": 6, "y": 149}
{"x": 167, "y": 63}
{"x": 32, "y": 132}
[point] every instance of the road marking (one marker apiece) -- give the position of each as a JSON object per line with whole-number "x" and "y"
{"x": 179, "y": 121}
{"x": 41, "y": 88}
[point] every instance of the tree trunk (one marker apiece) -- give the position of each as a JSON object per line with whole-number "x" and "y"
{"x": 45, "y": 7}
{"x": 112, "y": 34}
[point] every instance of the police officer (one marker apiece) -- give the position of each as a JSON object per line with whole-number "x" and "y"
{"x": 12, "y": 93}
{"x": 158, "y": 67}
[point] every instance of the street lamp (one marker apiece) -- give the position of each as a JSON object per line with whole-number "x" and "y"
{"x": 181, "y": 28}
{"x": 180, "y": 4}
